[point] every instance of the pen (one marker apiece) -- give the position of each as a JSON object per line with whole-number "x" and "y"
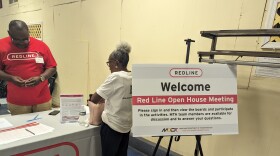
{"x": 36, "y": 116}
{"x": 29, "y": 131}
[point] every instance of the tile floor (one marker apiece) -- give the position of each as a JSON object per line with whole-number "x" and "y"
{"x": 133, "y": 152}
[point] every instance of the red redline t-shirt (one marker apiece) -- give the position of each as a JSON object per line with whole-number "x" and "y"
{"x": 26, "y": 63}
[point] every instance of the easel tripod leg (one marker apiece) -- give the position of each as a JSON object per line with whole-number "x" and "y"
{"x": 156, "y": 148}
{"x": 198, "y": 148}
{"x": 169, "y": 146}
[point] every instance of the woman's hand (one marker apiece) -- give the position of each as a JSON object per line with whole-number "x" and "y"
{"x": 101, "y": 101}
{"x": 95, "y": 111}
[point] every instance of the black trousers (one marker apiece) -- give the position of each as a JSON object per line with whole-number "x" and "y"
{"x": 113, "y": 143}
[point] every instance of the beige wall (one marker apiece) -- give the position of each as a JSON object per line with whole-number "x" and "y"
{"x": 82, "y": 33}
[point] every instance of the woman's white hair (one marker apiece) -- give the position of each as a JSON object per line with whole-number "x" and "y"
{"x": 124, "y": 47}
{"x": 122, "y": 53}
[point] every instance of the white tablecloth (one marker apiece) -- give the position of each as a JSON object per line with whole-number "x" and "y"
{"x": 69, "y": 139}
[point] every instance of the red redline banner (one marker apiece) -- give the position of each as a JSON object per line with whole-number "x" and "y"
{"x": 19, "y": 127}
{"x": 184, "y": 99}
{"x": 76, "y": 149}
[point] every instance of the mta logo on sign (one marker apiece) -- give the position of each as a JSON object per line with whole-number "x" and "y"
{"x": 169, "y": 130}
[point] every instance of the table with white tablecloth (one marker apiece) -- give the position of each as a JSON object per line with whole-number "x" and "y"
{"x": 68, "y": 139}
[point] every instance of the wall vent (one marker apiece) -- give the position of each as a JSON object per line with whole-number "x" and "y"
{"x": 36, "y": 30}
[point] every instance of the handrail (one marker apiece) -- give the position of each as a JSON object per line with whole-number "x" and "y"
{"x": 240, "y": 32}
{"x": 248, "y": 63}
{"x": 240, "y": 53}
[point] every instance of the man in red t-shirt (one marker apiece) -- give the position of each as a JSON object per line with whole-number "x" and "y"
{"x": 26, "y": 64}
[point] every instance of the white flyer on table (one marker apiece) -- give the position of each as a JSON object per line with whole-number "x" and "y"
{"x": 23, "y": 131}
{"x": 70, "y": 106}
{"x": 4, "y": 123}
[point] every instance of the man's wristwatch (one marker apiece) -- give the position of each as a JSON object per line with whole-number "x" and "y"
{"x": 42, "y": 78}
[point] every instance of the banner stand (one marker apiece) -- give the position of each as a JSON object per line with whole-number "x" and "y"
{"x": 198, "y": 148}
{"x": 158, "y": 142}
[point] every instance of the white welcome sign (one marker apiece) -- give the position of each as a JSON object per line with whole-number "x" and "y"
{"x": 184, "y": 99}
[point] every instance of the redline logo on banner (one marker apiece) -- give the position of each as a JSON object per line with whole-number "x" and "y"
{"x": 184, "y": 99}
{"x": 185, "y": 72}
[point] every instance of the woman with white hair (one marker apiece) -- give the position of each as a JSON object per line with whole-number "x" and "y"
{"x": 117, "y": 115}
